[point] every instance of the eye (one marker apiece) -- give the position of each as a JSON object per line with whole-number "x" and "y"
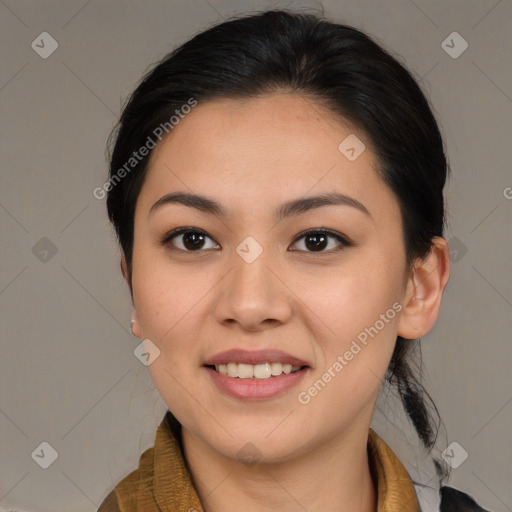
{"x": 190, "y": 239}
{"x": 316, "y": 240}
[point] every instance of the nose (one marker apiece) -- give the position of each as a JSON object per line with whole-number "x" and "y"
{"x": 253, "y": 296}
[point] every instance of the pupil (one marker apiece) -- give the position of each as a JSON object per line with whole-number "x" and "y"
{"x": 192, "y": 240}
{"x": 319, "y": 241}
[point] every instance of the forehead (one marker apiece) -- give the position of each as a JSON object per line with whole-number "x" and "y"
{"x": 265, "y": 149}
{"x": 276, "y": 122}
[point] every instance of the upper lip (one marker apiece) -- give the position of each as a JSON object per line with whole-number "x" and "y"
{"x": 254, "y": 357}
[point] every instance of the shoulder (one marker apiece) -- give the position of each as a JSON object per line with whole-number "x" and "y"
{"x": 110, "y": 503}
{"x": 133, "y": 489}
{"x": 453, "y": 500}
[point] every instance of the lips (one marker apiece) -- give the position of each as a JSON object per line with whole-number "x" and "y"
{"x": 238, "y": 373}
{"x": 254, "y": 357}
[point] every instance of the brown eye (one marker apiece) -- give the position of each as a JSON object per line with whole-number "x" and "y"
{"x": 186, "y": 239}
{"x": 318, "y": 240}
{"x": 315, "y": 241}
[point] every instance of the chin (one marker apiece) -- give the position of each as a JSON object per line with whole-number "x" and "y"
{"x": 260, "y": 443}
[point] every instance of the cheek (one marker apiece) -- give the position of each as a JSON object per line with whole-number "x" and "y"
{"x": 356, "y": 311}
{"x": 356, "y": 329}
{"x": 168, "y": 302}
{"x": 348, "y": 299}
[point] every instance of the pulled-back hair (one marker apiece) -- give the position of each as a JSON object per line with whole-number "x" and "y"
{"x": 336, "y": 65}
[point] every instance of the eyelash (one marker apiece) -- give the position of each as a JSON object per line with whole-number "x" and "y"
{"x": 343, "y": 240}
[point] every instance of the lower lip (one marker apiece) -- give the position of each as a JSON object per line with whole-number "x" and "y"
{"x": 256, "y": 389}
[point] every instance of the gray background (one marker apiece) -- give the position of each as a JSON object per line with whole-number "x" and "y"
{"x": 68, "y": 373}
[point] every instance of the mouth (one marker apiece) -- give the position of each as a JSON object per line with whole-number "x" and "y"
{"x": 253, "y": 375}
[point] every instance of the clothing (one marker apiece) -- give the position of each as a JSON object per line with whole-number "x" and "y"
{"x": 162, "y": 482}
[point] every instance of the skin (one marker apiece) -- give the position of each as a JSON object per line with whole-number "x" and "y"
{"x": 252, "y": 156}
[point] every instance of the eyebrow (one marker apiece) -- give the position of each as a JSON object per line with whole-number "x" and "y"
{"x": 288, "y": 209}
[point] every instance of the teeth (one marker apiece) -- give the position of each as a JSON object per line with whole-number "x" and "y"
{"x": 262, "y": 371}
{"x": 231, "y": 369}
{"x": 245, "y": 371}
{"x": 257, "y": 371}
{"x": 276, "y": 368}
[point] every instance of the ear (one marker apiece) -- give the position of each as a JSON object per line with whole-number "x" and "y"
{"x": 424, "y": 289}
{"x": 126, "y": 273}
{"x": 135, "y": 324}
{"x": 124, "y": 269}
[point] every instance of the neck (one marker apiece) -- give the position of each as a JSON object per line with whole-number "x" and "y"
{"x": 334, "y": 476}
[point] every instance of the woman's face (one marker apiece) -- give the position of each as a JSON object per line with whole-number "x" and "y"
{"x": 252, "y": 282}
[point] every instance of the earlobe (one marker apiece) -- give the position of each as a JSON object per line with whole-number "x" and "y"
{"x": 135, "y": 325}
{"x": 424, "y": 290}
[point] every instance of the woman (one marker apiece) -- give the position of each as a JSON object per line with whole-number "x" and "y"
{"x": 276, "y": 184}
